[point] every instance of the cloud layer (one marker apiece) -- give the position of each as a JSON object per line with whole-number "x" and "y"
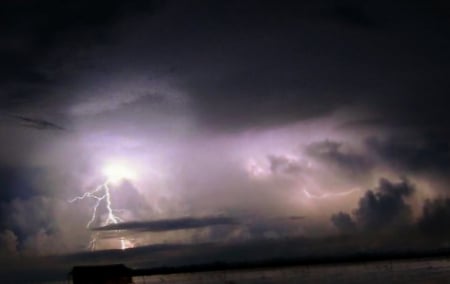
{"x": 252, "y": 111}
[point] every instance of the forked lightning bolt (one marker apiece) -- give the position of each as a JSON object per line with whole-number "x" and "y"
{"x": 102, "y": 194}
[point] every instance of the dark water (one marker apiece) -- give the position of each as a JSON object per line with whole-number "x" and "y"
{"x": 422, "y": 271}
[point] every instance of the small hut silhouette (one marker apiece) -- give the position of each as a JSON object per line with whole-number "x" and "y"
{"x": 105, "y": 274}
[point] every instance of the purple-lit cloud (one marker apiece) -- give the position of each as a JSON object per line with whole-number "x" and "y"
{"x": 248, "y": 111}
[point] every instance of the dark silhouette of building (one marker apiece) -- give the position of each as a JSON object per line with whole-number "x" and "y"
{"x": 106, "y": 274}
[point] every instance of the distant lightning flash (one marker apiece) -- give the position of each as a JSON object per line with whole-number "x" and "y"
{"x": 102, "y": 194}
{"x": 257, "y": 170}
{"x": 328, "y": 194}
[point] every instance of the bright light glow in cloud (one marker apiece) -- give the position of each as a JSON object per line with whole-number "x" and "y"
{"x": 256, "y": 170}
{"x": 116, "y": 172}
{"x": 329, "y": 194}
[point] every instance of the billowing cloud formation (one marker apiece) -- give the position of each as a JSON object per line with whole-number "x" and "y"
{"x": 344, "y": 222}
{"x": 381, "y": 208}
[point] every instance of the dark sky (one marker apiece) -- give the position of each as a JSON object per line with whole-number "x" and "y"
{"x": 227, "y": 123}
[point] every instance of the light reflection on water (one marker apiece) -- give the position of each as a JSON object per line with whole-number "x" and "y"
{"x": 423, "y": 271}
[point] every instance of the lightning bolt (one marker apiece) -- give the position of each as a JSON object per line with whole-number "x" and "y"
{"x": 102, "y": 194}
{"x": 328, "y": 194}
{"x": 255, "y": 169}
{"x": 319, "y": 194}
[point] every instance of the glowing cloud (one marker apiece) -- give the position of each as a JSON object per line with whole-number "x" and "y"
{"x": 116, "y": 172}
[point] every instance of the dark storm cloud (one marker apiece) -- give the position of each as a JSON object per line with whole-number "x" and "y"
{"x": 332, "y": 153}
{"x": 381, "y": 208}
{"x": 414, "y": 154}
{"x": 388, "y": 213}
{"x": 40, "y": 38}
{"x": 385, "y": 205}
{"x": 292, "y": 75}
{"x": 244, "y": 64}
{"x": 169, "y": 224}
{"x": 45, "y": 24}
{"x": 21, "y": 197}
{"x": 17, "y": 183}
{"x": 344, "y": 222}
{"x": 435, "y": 219}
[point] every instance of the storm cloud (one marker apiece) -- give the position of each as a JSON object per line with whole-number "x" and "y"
{"x": 382, "y": 208}
{"x": 253, "y": 110}
{"x": 422, "y": 155}
{"x": 435, "y": 218}
{"x": 332, "y": 152}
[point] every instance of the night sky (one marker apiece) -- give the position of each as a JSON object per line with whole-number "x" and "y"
{"x": 235, "y": 130}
